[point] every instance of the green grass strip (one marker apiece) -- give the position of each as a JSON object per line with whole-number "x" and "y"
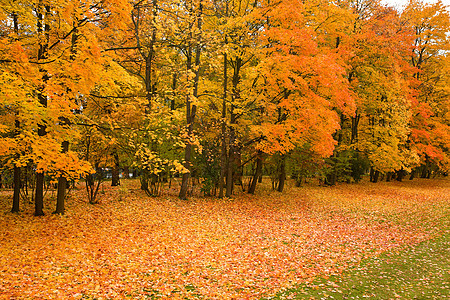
{"x": 419, "y": 272}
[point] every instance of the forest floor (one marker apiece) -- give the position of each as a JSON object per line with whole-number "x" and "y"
{"x": 379, "y": 241}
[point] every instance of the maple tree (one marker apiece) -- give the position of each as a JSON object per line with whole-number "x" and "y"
{"x": 430, "y": 124}
{"x": 304, "y": 83}
{"x": 57, "y": 58}
{"x": 384, "y": 76}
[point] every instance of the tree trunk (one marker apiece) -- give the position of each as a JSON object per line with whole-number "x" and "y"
{"x": 144, "y": 180}
{"x": 389, "y": 176}
{"x": 16, "y": 195}
{"x": 174, "y": 87}
{"x": 282, "y": 176}
{"x": 223, "y": 153}
{"x": 115, "y": 178}
{"x": 150, "y": 55}
{"x": 331, "y": 178}
{"x": 257, "y": 174}
{"x": 185, "y": 178}
{"x": 39, "y": 195}
{"x": 191, "y": 108}
{"x": 39, "y": 191}
{"x": 376, "y": 175}
{"x": 16, "y": 179}
{"x": 42, "y": 54}
{"x": 424, "y": 173}
{"x": 239, "y": 169}
{"x": 126, "y": 172}
{"x": 230, "y": 165}
{"x": 400, "y": 175}
{"x": 62, "y": 185}
{"x": 62, "y": 180}
{"x": 355, "y": 122}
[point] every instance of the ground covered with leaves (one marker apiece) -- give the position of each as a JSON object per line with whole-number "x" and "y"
{"x": 248, "y": 247}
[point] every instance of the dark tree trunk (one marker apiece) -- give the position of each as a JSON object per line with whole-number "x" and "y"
{"x": 425, "y": 170}
{"x": 191, "y": 108}
{"x": 61, "y": 195}
{"x": 42, "y": 26}
{"x": 62, "y": 185}
{"x": 28, "y": 181}
{"x": 257, "y": 174}
{"x": 376, "y": 176}
{"x": 149, "y": 57}
{"x": 16, "y": 195}
{"x": 223, "y": 153}
{"x": 16, "y": 179}
{"x": 174, "y": 86}
{"x": 232, "y": 157}
{"x": 144, "y": 180}
{"x": 400, "y": 175}
{"x": 413, "y": 174}
{"x": 331, "y": 179}
{"x": 282, "y": 176}
{"x": 355, "y": 122}
{"x": 389, "y": 176}
{"x": 91, "y": 189}
{"x": 149, "y": 82}
{"x": 185, "y": 178}
{"x": 239, "y": 170}
{"x": 115, "y": 178}
{"x": 126, "y": 172}
{"x": 39, "y": 195}
{"x": 39, "y": 191}
{"x": 230, "y": 164}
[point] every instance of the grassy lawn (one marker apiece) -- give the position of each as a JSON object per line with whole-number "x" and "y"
{"x": 378, "y": 241}
{"x": 419, "y": 272}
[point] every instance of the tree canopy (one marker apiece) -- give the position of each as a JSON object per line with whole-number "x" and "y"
{"x": 220, "y": 91}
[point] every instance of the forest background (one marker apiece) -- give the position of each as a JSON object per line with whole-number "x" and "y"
{"x": 216, "y": 94}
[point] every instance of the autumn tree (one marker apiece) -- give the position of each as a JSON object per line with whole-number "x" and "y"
{"x": 430, "y": 24}
{"x": 302, "y": 83}
{"x": 60, "y": 43}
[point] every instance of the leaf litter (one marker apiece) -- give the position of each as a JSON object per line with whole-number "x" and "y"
{"x": 242, "y": 248}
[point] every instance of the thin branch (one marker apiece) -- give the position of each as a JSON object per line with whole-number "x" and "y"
{"x": 122, "y": 48}
{"x": 115, "y": 97}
